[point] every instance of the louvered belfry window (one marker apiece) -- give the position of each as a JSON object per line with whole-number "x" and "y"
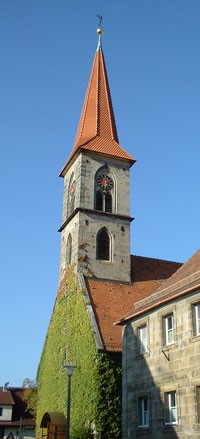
{"x": 103, "y": 245}
{"x": 104, "y": 201}
{"x": 108, "y": 202}
{"x": 99, "y": 200}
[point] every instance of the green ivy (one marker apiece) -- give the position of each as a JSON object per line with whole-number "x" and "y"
{"x": 96, "y": 382}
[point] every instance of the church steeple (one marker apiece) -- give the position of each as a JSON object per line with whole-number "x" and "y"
{"x": 96, "y": 203}
{"x": 97, "y": 130}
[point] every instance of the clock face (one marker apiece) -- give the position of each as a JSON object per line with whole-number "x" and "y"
{"x": 73, "y": 188}
{"x": 105, "y": 182}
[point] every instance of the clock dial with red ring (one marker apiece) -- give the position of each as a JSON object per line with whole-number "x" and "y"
{"x": 105, "y": 182}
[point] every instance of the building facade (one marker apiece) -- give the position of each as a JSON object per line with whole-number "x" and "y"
{"x": 161, "y": 358}
{"x": 16, "y": 422}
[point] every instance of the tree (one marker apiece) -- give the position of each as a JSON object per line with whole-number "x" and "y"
{"x": 30, "y": 395}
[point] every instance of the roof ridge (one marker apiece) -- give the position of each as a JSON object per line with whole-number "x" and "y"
{"x": 157, "y": 259}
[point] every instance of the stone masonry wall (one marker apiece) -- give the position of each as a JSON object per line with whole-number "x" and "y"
{"x": 162, "y": 369}
{"x": 84, "y": 226}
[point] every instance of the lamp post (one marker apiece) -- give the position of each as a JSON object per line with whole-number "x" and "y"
{"x": 69, "y": 368}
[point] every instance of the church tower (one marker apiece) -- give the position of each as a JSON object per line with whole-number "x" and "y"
{"x": 95, "y": 230}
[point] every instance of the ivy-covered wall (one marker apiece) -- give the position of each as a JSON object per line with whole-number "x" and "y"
{"x": 96, "y": 382}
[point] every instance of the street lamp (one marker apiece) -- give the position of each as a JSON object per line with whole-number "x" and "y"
{"x": 70, "y": 368}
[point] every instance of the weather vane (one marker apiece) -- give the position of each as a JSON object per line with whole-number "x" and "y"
{"x": 100, "y": 19}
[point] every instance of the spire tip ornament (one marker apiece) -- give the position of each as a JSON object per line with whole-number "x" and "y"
{"x": 99, "y": 30}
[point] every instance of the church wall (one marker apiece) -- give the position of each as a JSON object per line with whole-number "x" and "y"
{"x": 120, "y": 173}
{"x": 119, "y": 266}
{"x": 84, "y": 228}
{"x": 160, "y": 370}
{"x": 72, "y": 176}
{"x": 96, "y": 381}
{"x": 83, "y": 170}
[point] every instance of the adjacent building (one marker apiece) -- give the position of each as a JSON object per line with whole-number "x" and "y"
{"x": 161, "y": 360}
{"x": 16, "y": 422}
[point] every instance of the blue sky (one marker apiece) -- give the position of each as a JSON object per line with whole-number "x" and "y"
{"x": 151, "y": 49}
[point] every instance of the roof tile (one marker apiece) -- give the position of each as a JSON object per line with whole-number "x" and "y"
{"x": 97, "y": 130}
{"x": 111, "y": 300}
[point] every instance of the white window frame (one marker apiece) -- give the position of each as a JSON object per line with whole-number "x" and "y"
{"x": 143, "y": 339}
{"x": 171, "y": 408}
{"x": 143, "y": 411}
{"x": 197, "y": 318}
{"x": 169, "y": 329}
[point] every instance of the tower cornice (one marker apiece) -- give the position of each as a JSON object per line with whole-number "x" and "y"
{"x": 94, "y": 212}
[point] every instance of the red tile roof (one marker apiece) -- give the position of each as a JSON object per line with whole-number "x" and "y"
{"x": 111, "y": 300}
{"x": 97, "y": 129}
{"x": 185, "y": 280}
{"x": 190, "y": 267}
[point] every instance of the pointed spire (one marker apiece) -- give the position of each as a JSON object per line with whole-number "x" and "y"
{"x": 97, "y": 130}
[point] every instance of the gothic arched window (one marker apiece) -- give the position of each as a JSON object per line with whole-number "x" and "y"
{"x": 103, "y": 245}
{"x": 69, "y": 250}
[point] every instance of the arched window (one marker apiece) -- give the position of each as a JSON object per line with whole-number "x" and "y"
{"x": 99, "y": 200}
{"x": 69, "y": 250}
{"x": 103, "y": 245}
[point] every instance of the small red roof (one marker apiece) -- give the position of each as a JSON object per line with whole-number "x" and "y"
{"x": 97, "y": 130}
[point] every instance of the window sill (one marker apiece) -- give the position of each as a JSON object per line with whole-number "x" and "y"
{"x": 167, "y": 347}
{"x": 171, "y": 427}
{"x": 196, "y": 427}
{"x": 194, "y": 338}
{"x": 143, "y": 430}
